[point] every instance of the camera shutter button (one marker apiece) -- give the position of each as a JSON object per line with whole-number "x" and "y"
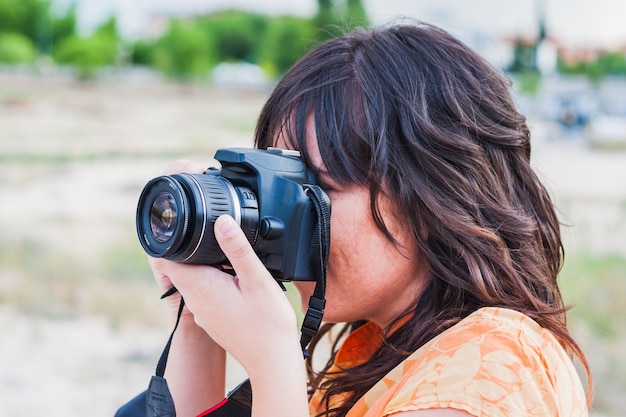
{"x": 271, "y": 228}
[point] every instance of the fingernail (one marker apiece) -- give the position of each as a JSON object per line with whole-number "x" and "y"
{"x": 227, "y": 226}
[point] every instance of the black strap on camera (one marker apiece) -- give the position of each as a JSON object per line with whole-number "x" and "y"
{"x": 320, "y": 248}
{"x": 157, "y": 401}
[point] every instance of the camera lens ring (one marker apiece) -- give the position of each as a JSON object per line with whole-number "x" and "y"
{"x": 154, "y": 246}
{"x": 209, "y": 216}
{"x": 202, "y": 221}
{"x": 197, "y": 201}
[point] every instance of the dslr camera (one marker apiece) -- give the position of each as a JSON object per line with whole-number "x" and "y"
{"x": 265, "y": 191}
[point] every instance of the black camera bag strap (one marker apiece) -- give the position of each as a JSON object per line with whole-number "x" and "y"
{"x": 157, "y": 401}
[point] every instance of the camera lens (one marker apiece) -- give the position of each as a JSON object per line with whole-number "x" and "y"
{"x": 163, "y": 217}
{"x": 175, "y": 216}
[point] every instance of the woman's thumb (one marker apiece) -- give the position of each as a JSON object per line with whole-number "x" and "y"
{"x": 238, "y": 250}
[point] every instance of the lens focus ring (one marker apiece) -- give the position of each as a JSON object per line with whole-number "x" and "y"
{"x": 210, "y": 197}
{"x": 220, "y": 197}
{"x": 176, "y": 215}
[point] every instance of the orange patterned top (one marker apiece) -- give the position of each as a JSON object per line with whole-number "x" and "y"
{"x": 496, "y": 362}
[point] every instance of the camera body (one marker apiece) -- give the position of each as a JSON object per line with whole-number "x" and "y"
{"x": 265, "y": 191}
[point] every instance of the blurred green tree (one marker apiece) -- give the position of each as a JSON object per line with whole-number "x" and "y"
{"x": 89, "y": 54}
{"x": 325, "y": 20}
{"x": 611, "y": 63}
{"x": 356, "y": 14}
{"x": 524, "y": 57}
{"x": 287, "y": 39}
{"x": 64, "y": 26}
{"x": 335, "y": 17}
{"x": 607, "y": 63}
{"x": 236, "y": 35}
{"x": 16, "y": 48}
{"x": 35, "y": 20}
{"x": 191, "y": 47}
{"x": 24, "y": 16}
{"x": 108, "y": 29}
{"x": 182, "y": 52}
{"x": 142, "y": 52}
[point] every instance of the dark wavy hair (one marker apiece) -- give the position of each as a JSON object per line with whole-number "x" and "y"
{"x": 412, "y": 113}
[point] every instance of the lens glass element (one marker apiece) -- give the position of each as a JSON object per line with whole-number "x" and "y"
{"x": 163, "y": 217}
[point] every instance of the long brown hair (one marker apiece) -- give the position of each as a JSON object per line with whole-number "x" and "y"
{"x": 410, "y": 111}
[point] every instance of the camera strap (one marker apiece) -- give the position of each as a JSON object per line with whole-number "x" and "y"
{"x": 319, "y": 251}
{"x": 159, "y": 401}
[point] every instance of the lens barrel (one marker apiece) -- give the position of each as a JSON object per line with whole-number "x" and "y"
{"x": 176, "y": 213}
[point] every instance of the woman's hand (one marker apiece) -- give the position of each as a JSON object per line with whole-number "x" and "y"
{"x": 251, "y": 318}
{"x": 247, "y": 314}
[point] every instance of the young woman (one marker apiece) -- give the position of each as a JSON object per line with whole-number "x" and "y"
{"x": 444, "y": 254}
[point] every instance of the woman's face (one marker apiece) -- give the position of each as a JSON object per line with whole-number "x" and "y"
{"x": 368, "y": 278}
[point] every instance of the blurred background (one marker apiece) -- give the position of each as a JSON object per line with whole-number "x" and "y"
{"x": 96, "y": 97}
